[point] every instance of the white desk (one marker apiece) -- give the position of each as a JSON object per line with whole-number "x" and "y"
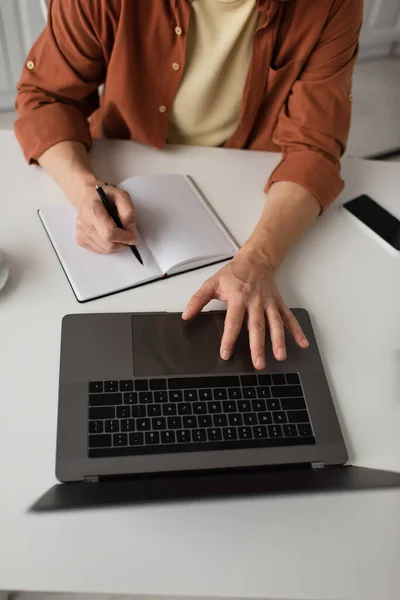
{"x": 336, "y": 546}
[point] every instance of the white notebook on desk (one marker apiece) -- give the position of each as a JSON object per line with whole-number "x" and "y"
{"x": 177, "y": 231}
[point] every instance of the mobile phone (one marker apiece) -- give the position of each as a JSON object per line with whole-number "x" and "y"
{"x": 378, "y": 219}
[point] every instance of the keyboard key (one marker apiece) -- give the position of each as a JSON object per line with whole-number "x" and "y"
{"x": 260, "y": 432}
{"x": 186, "y": 383}
{"x": 154, "y": 410}
{"x": 304, "y": 429}
{"x": 160, "y": 423}
{"x": 278, "y": 379}
{"x": 152, "y": 437}
{"x": 189, "y": 422}
{"x": 235, "y": 420}
{"x": 128, "y": 425}
{"x": 143, "y": 424}
{"x": 229, "y": 433}
{"x": 96, "y": 427}
{"x": 199, "y": 408}
{"x": 145, "y": 397}
{"x": 183, "y": 436}
{"x": 169, "y": 410}
{"x": 175, "y": 396}
{"x": 220, "y": 420}
{"x": 293, "y": 403}
{"x": 205, "y": 420}
{"x": 263, "y": 392}
{"x": 298, "y": 416}
{"x": 220, "y": 394}
{"x": 235, "y": 393}
{"x": 199, "y": 435}
{"x": 245, "y": 433}
{"x": 185, "y": 408}
{"x": 141, "y": 385}
{"x": 214, "y": 407}
{"x": 273, "y": 404}
{"x": 292, "y": 378}
{"x": 229, "y": 406}
{"x": 249, "y": 393}
{"x": 174, "y": 422}
{"x": 111, "y": 426}
{"x": 126, "y": 386}
{"x": 275, "y": 431}
{"x": 139, "y": 411}
{"x": 205, "y": 395}
{"x": 214, "y": 435}
{"x": 286, "y": 391}
{"x": 120, "y": 439}
{"x": 291, "y": 430}
{"x": 250, "y": 419}
{"x": 99, "y": 441}
{"x": 158, "y": 384}
{"x": 259, "y": 405}
{"x": 136, "y": 439}
{"x": 160, "y": 396}
{"x": 265, "y": 418}
{"x": 244, "y": 405}
{"x": 248, "y": 380}
{"x": 111, "y": 386}
{"x": 168, "y": 437}
{"x": 123, "y": 412}
{"x": 104, "y": 399}
{"x": 190, "y": 395}
{"x": 264, "y": 379}
{"x": 279, "y": 417}
{"x": 95, "y": 386}
{"x": 130, "y": 398}
{"x": 106, "y": 412}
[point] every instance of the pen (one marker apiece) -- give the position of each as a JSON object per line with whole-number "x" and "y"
{"x": 113, "y": 214}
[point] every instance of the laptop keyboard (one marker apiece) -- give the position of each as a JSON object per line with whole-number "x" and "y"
{"x": 185, "y": 414}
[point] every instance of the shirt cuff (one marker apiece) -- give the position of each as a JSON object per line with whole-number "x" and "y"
{"x": 49, "y": 125}
{"x": 313, "y": 171}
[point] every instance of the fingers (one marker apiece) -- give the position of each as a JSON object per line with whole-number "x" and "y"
{"x": 256, "y": 325}
{"x": 293, "y": 326}
{"x": 202, "y": 297}
{"x": 89, "y": 238}
{"x": 277, "y": 332}
{"x": 125, "y": 208}
{"x": 233, "y": 324}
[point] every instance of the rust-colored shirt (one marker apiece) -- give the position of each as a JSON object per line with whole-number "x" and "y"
{"x": 296, "y": 99}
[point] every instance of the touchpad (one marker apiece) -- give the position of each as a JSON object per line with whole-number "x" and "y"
{"x": 164, "y": 344}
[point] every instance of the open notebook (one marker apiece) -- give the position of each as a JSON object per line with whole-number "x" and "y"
{"x": 177, "y": 231}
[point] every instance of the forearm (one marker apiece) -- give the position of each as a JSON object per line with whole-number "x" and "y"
{"x": 288, "y": 212}
{"x": 68, "y": 164}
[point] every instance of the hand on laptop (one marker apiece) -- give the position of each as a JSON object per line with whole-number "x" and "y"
{"x": 94, "y": 228}
{"x": 248, "y": 286}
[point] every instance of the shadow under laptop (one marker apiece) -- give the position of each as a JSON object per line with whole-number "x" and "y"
{"x": 184, "y": 487}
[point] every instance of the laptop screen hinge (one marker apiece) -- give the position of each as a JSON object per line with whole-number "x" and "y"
{"x": 91, "y": 479}
{"x": 317, "y": 465}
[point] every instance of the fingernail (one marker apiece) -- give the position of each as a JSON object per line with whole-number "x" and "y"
{"x": 305, "y": 342}
{"x": 260, "y": 363}
{"x": 225, "y": 355}
{"x": 186, "y": 311}
{"x": 281, "y": 354}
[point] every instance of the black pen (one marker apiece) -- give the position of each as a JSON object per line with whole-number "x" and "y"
{"x": 113, "y": 214}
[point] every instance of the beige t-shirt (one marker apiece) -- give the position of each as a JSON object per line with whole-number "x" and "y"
{"x": 207, "y": 108}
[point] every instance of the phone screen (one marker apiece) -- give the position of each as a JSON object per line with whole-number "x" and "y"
{"x": 376, "y": 218}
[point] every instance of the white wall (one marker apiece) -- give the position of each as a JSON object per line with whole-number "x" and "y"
{"x": 381, "y": 32}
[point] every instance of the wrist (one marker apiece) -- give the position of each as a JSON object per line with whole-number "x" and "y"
{"x": 82, "y": 190}
{"x": 256, "y": 251}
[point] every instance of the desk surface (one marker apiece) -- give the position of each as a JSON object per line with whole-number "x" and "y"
{"x": 336, "y": 546}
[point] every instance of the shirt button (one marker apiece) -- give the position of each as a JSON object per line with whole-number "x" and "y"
{"x": 30, "y": 65}
{"x": 175, "y": 66}
{"x": 351, "y": 98}
{"x": 162, "y": 108}
{"x": 178, "y": 31}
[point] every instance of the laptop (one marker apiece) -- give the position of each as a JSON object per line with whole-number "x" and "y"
{"x": 149, "y": 411}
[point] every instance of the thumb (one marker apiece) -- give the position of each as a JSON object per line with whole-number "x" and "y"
{"x": 126, "y": 210}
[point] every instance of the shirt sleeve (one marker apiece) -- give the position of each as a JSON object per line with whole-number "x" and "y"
{"x": 313, "y": 126}
{"x": 58, "y": 89}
